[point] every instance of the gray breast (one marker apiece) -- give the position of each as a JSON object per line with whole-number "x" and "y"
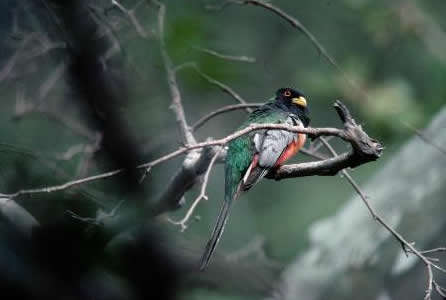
{"x": 271, "y": 143}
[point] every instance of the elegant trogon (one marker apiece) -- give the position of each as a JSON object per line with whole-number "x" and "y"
{"x": 250, "y": 157}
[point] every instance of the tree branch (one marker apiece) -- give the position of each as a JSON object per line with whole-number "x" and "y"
{"x": 225, "y": 88}
{"x": 364, "y": 149}
{"x": 222, "y": 110}
{"x": 182, "y": 181}
{"x": 177, "y": 106}
{"x": 131, "y": 15}
{"x": 64, "y": 186}
{"x": 24, "y": 107}
{"x": 242, "y": 58}
{"x": 201, "y": 196}
{"x": 406, "y": 246}
{"x": 294, "y": 22}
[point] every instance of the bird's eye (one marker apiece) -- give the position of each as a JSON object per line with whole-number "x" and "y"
{"x": 287, "y": 93}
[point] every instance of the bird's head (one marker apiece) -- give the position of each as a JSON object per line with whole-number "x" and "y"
{"x": 295, "y": 102}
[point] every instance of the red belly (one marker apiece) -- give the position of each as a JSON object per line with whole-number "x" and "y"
{"x": 291, "y": 149}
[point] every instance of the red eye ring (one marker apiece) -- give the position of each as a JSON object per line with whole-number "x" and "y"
{"x": 287, "y": 93}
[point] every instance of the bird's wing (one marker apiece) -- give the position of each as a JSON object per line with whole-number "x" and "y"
{"x": 270, "y": 145}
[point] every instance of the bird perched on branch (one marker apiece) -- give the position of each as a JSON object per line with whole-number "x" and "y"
{"x": 250, "y": 157}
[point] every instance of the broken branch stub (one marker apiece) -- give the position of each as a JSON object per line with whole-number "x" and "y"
{"x": 364, "y": 150}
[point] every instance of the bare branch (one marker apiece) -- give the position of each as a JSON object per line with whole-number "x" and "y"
{"x": 440, "y": 290}
{"x": 24, "y": 107}
{"x": 50, "y": 82}
{"x": 12, "y": 61}
{"x": 294, "y": 22}
{"x": 201, "y": 196}
{"x": 193, "y": 166}
{"x": 101, "y": 215}
{"x": 220, "y": 142}
{"x": 21, "y": 57}
{"x": 105, "y": 29}
{"x": 177, "y": 106}
{"x": 242, "y": 58}
{"x": 439, "y": 249}
{"x": 352, "y": 134}
{"x": 317, "y": 144}
{"x": 364, "y": 150}
{"x": 217, "y": 83}
{"x": 63, "y": 186}
{"x": 222, "y": 110}
{"x": 73, "y": 151}
{"x": 406, "y": 246}
{"x": 131, "y": 15}
{"x": 430, "y": 278}
{"x": 87, "y": 158}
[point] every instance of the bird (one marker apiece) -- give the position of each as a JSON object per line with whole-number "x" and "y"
{"x": 250, "y": 157}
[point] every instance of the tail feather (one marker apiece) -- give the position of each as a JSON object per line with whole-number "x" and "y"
{"x": 254, "y": 178}
{"x": 216, "y": 234}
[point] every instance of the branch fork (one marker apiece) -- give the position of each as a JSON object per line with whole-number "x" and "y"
{"x": 364, "y": 150}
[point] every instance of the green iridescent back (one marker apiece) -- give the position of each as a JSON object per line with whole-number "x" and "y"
{"x": 241, "y": 150}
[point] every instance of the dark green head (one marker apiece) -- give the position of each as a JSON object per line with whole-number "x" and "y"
{"x": 295, "y": 102}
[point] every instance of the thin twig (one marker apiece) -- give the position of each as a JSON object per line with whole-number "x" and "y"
{"x": 176, "y": 106}
{"x": 349, "y": 178}
{"x": 144, "y": 175}
{"x": 73, "y": 151}
{"x": 327, "y": 167}
{"x": 87, "y": 159}
{"x": 242, "y": 58}
{"x": 24, "y": 108}
{"x": 294, "y": 22}
{"x": 315, "y": 132}
{"x": 100, "y": 217}
{"x": 63, "y": 186}
{"x": 221, "y": 110}
{"x": 317, "y": 144}
{"x": 425, "y": 138}
{"x": 406, "y": 246}
{"x": 439, "y": 249}
{"x": 201, "y": 196}
{"x": 179, "y": 151}
{"x": 225, "y": 88}
{"x": 131, "y": 15}
{"x": 51, "y": 81}
{"x": 108, "y": 30}
{"x": 14, "y": 59}
{"x": 440, "y": 290}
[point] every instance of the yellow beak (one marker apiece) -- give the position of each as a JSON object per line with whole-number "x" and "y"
{"x": 300, "y": 101}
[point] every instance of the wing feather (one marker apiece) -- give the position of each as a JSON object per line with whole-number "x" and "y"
{"x": 269, "y": 146}
{"x": 275, "y": 142}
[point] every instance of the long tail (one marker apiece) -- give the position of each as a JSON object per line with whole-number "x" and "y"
{"x": 216, "y": 234}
